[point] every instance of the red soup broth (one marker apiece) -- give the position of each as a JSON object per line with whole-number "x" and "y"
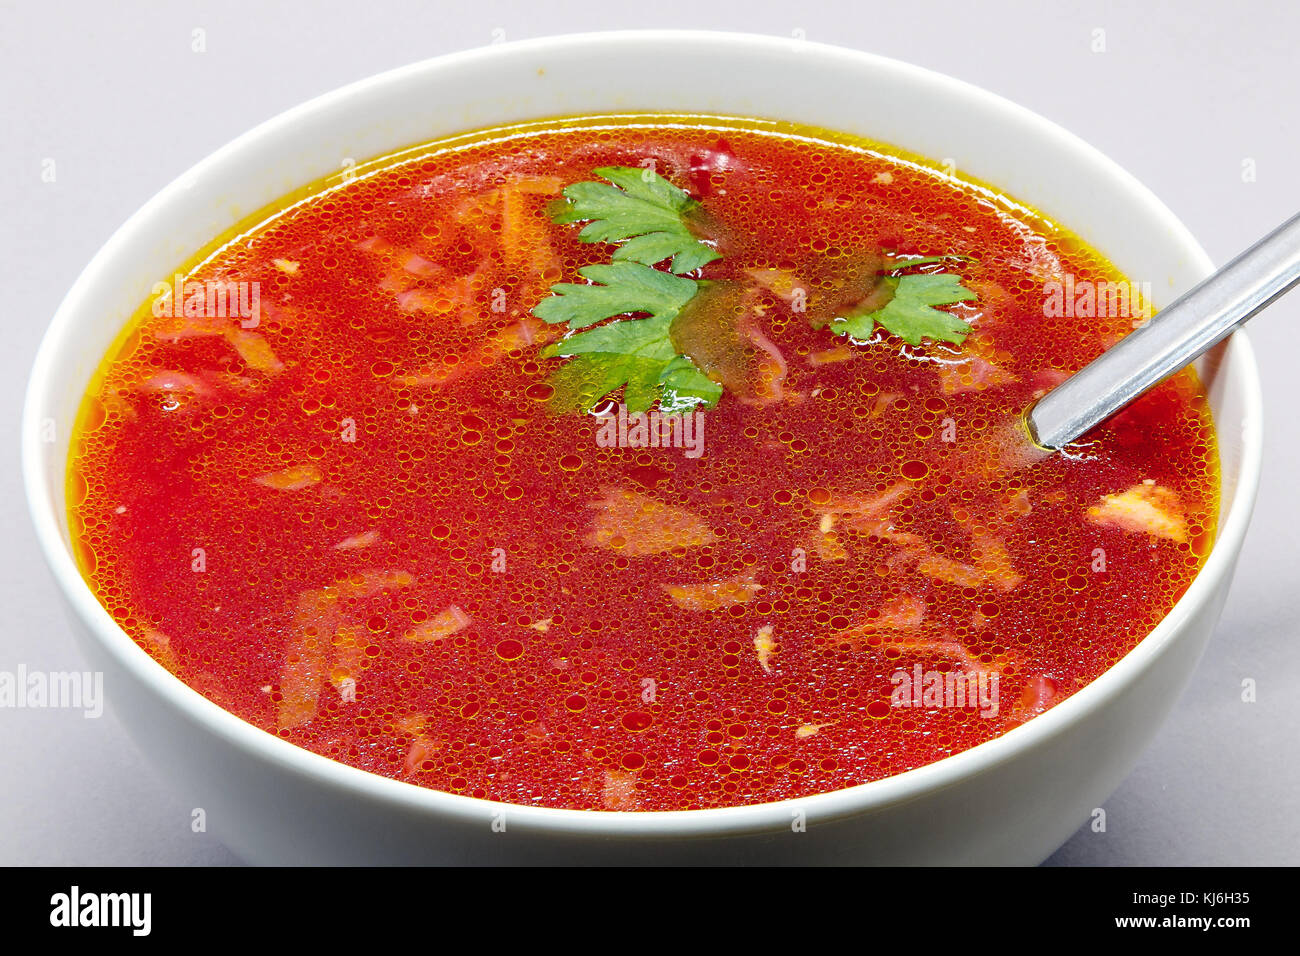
{"x": 354, "y": 519}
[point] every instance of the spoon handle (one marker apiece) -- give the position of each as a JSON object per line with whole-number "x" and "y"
{"x": 1193, "y": 324}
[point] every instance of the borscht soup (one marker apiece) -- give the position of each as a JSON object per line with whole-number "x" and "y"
{"x": 635, "y": 462}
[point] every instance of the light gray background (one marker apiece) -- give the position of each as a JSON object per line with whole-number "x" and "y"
{"x": 1183, "y": 94}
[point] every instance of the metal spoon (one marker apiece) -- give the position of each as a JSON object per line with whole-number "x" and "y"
{"x": 1192, "y": 325}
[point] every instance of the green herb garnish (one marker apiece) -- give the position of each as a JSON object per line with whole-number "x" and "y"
{"x": 895, "y": 264}
{"x": 650, "y": 216}
{"x": 684, "y": 386}
{"x": 652, "y": 219}
{"x": 665, "y": 338}
{"x": 636, "y": 353}
{"x": 621, "y": 287}
{"x": 909, "y": 312}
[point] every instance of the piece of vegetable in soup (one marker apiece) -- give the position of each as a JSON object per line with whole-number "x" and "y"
{"x": 634, "y": 463}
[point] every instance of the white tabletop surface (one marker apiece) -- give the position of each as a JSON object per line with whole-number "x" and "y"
{"x": 1183, "y": 95}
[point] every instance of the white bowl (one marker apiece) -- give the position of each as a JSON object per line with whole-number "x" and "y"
{"x": 1011, "y": 800}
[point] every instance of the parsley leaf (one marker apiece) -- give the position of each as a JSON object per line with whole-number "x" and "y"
{"x": 685, "y": 344}
{"x": 677, "y": 385}
{"x": 623, "y": 287}
{"x": 644, "y": 365}
{"x": 685, "y": 386}
{"x": 637, "y": 354}
{"x": 897, "y": 263}
{"x": 910, "y": 313}
{"x": 586, "y": 379}
{"x": 641, "y": 338}
{"x": 643, "y": 211}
